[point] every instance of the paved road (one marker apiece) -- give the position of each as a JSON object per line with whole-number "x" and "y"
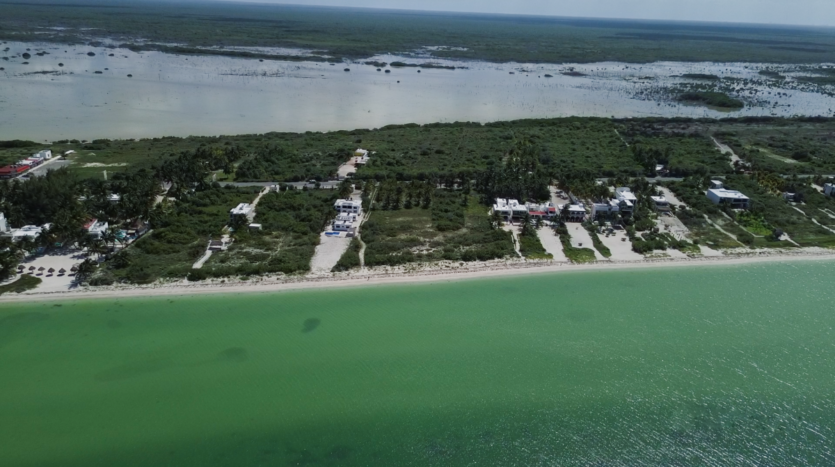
{"x": 298, "y": 185}
{"x": 44, "y": 169}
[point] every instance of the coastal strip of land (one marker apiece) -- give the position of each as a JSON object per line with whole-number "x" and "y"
{"x": 435, "y": 273}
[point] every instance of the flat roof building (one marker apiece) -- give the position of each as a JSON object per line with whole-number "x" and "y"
{"x": 510, "y": 209}
{"x": 829, "y": 189}
{"x": 243, "y": 209}
{"x": 605, "y": 208}
{"x": 660, "y": 203}
{"x": 573, "y": 212}
{"x": 735, "y": 199}
{"x": 348, "y": 206}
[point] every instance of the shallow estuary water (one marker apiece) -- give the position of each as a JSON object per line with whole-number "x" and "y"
{"x": 177, "y": 95}
{"x": 713, "y": 366}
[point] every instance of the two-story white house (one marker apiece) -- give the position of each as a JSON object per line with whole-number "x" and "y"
{"x": 510, "y": 209}
{"x": 243, "y": 209}
{"x": 348, "y": 206}
{"x": 627, "y": 200}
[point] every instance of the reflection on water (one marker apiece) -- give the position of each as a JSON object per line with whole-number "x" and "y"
{"x": 184, "y": 95}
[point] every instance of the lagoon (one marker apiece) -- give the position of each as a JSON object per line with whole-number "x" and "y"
{"x": 719, "y": 365}
{"x": 92, "y": 97}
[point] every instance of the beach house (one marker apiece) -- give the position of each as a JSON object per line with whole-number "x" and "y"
{"x": 243, "y": 209}
{"x": 509, "y": 209}
{"x": 573, "y": 212}
{"x": 829, "y": 189}
{"x": 733, "y": 198}
{"x": 660, "y": 203}
{"x": 348, "y": 206}
{"x": 605, "y": 208}
{"x": 541, "y": 211}
{"x": 95, "y": 228}
{"x": 626, "y": 199}
{"x": 361, "y": 156}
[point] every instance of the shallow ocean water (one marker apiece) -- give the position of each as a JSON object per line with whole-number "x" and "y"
{"x": 174, "y": 95}
{"x": 714, "y": 366}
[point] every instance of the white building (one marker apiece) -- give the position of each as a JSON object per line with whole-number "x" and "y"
{"x": 362, "y": 157}
{"x": 29, "y": 231}
{"x": 573, "y": 213}
{"x": 114, "y": 198}
{"x": 510, "y": 209}
{"x": 661, "y": 204}
{"x": 4, "y": 227}
{"x": 605, "y": 208}
{"x": 716, "y": 184}
{"x": 541, "y": 211}
{"x": 44, "y": 155}
{"x": 348, "y": 206}
{"x": 829, "y": 189}
{"x": 731, "y": 197}
{"x": 243, "y": 209}
{"x": 96, "y": 229}
{"x": 627, "y": 199}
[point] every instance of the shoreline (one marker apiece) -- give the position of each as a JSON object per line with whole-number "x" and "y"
{"x": 376, "y": 278}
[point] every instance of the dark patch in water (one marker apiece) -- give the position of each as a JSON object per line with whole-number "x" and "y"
{"x": 235, "y": 354}
{"x": 310, "y": 325}
{"x": 58, "y": 305}
{"x": 134, "y": 369}
{"x": 339, "y": 453}
{"x": 114, "y": 324}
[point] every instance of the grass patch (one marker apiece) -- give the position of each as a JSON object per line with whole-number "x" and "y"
{"x": 575, "y": 255}
{"x": 598, "y": 244}
{"x": 350, "y": 259}
{"x": 22, "y": 284}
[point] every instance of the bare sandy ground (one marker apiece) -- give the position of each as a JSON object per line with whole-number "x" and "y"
{"x": 435, "y": 273}
{"x": 620, "y": 247}
{"x": 580, "y": 238}
{"x": 551, "y": 242}
{"x": 328, "y": 252}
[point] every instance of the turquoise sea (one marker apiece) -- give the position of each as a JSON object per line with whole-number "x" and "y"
{"x": 710, "y": 366}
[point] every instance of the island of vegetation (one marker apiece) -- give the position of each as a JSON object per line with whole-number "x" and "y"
{"x": 718, "y": 100}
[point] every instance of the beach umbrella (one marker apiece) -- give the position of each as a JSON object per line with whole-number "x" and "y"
{"x": 20, "y": 267}
{"x": 31, "y": 268}
{"x": 62, "y": 271}
{"x": 51, "y": 270}
{"x": 41, "y": 269}
{"x": 74, "y": 268}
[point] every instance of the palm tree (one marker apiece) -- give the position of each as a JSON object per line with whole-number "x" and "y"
{"x": 85, "y": 270}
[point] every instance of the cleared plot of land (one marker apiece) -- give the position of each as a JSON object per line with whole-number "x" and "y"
{"x": 581, "y": 238}
{"x": 620, "y": 247}
{"x": 551, "y": 242}
{"x": 328, "y": 252}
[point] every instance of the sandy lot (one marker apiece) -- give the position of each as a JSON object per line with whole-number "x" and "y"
{"x": 55, "y": 282}
{"x": 621, "y": 250}
{"x": 552, "y": 244}
{"x": 580, "y": 238}
{"x": 328, "y": 252}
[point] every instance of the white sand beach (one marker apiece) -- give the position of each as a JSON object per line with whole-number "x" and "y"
{"x": 433, "y": 273}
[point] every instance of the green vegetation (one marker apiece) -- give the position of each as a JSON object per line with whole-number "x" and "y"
{"x": 771, "y": 74}
{"x": 24, "y": 283}
{"x": 719, "y": 100}
{"x": 291, "y": 224}
{"x": 529, "y": 244}
{"x": 345, "y": 33}
{"x": 351, "y": 258}
{"x": 598, "y": 244}
{"x": 575, "y": 255}
{"x": 396, "y": 235}
{"x": 181, "y": 234}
